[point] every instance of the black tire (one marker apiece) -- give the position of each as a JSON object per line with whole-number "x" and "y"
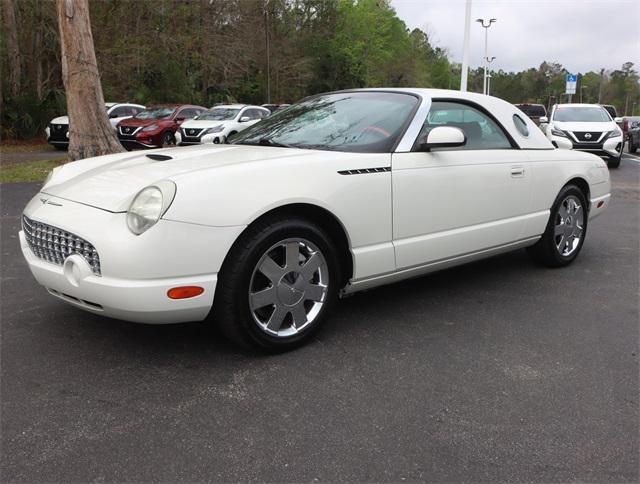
{"x": 632, "y": 146}
{"x": 614, "y": 162}
{"x": 231, "y": 309}
{"x": 167, "y": 139}
{"x": 545, "y": 251}
{"x": 229, "y": 136}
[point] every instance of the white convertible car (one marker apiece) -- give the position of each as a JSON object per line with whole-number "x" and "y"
{"x": 340, "y": 192}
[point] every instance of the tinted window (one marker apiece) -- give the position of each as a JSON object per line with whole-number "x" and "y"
{"x": 219, "y": 114}
{"x": 481, "y": 131}
{"x": 581, "y": 114}
{"x": 532, "y": 110}
{"x": 121, "y": 111}
{"x": 188, "y": 113}
{"x": 365, "y": 122}
{"x": 156, "y": 113}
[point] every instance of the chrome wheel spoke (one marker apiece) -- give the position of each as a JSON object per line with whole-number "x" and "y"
{"x": 299, "y": 315}
{"x": 314, "y": 292}
{"x": 311, "y": 266}
{"x": 559, "y": 230}
{"x": 563, "y": 210}
{"x": 292, "y": 256}
{"x": 271, "y": 270}
{"x": 263, "y": 298}
{"x": 277, "y": 318}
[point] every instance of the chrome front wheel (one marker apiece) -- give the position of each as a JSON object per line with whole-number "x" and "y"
{"x": 288, "y": 287}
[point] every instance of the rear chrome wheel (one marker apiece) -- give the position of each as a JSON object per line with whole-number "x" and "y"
{"x": 566, "y": 229}
{"x": 288, "y": 287}
{"x": 569, "y": 225}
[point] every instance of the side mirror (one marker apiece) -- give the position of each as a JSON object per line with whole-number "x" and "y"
{"x": 618, "y": 120}
{"x": 113, "y": 115}
{"x": 244, "y": 119}
{"x": 443, "y": 137}
{"x": 180, "y": 119}
{"x": 543, "y": 120}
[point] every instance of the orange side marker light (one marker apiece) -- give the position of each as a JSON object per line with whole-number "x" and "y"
{"x": 184, "y": 292}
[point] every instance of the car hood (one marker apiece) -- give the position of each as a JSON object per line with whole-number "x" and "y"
{"x": 581, "y": 127}
{"x": 203, "y": 123}
{"x": 110, "y": 182}
{"x": 60, "y": 120}
{"x": 141, "y": 122}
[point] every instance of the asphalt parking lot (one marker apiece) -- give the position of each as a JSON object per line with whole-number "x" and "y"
{"x": 499, "y": 370}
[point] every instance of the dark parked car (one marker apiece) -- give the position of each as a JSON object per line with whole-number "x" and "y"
{"x": 155, "y": 127}
{"x": 534, "y": 111}
{"x": 631, "y": 132}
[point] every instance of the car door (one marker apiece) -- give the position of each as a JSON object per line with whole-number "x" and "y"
{"x": 456, "y": 201}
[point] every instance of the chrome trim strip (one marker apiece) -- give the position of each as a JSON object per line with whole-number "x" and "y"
{"x": 412, "y": 132}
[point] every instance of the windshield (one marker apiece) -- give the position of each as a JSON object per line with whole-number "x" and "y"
{"x": 365, "y": 122}
{"x": 532, "y": 109}
{"x": 219, "y": 114}
{"x": 581, "y": 115}
{"x": 155, "y": 113}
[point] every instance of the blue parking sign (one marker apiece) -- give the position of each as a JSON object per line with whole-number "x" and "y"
{"x": 572, "y": 78}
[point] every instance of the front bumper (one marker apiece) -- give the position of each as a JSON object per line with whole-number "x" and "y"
{"x": 215, "y": 138}
{"x": 137, "y": 271}
{"x": 610, "y": 147}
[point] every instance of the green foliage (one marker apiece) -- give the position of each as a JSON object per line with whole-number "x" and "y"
{"x": 209, "y": 51}
{"x": 35, "y": 171}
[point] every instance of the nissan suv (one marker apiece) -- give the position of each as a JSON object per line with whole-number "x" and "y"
{"x": 585, "y": 127}
{"x": 156, "y": 126}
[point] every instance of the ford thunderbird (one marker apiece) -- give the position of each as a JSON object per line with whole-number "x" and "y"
{"x": 338, "y": 193}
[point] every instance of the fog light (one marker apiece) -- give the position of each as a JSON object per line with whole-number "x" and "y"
{"x": 184, "y": 292}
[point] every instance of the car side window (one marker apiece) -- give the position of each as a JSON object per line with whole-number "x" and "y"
{"x": 120, "y": 111}
{"x": 481, "y": 131}
{"x": 251, "y": 113}
{"x": 187, "y": 113}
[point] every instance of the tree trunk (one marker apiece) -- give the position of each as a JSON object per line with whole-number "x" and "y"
{"x": 90, "y": 132}
{"x": 13, "y": 50}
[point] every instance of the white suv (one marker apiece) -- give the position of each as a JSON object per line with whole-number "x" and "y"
{"x": 58, "y": 130}
{"x": 215, "y": 125}
{"x": 585, "y": 127}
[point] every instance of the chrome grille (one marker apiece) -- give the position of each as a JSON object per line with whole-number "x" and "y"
{"x": 55, "y": 245}
{"x": 191, "y": 132}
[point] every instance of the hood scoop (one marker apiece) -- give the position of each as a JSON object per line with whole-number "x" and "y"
{"x": 159, "y": 157}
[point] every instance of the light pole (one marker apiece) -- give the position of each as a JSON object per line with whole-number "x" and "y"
{"x": 486, "y": 43}
{"x": 465, "y": 48}
{"x": 488, "y": 74}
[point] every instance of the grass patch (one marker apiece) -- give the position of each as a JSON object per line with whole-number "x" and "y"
{"x": 34, "y": 171}
{"x": 26, "y": 148}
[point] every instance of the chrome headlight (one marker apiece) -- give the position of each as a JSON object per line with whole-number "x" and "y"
{"x": 149, "y": 205}
{"x": 615, "y": 133}
{"x": 215, "y": 129}
{"x": 557, "y": 132}
{"x": 151, "y": 127}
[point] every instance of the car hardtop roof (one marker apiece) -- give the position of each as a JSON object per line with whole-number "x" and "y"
{"x": 579, "y": 105}
{"x": 235, "y": 106}
{"x": 428, "y": 93}
{"x": 174, "y": 106}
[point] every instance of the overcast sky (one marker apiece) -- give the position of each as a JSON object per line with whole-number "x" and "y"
{"x": 582, "y": 35}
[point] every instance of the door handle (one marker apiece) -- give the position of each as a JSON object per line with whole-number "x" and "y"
{"x": 517, "y": 171}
